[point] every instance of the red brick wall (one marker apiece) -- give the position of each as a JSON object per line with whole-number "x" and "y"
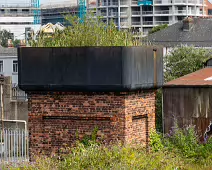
{"x": 118, "y": 116}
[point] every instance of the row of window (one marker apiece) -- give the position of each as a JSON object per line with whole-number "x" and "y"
{"x": 15, "y": 66}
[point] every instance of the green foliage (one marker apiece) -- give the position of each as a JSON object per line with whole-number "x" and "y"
{"x": 158, "y": 28}
{"x": 185, "y": 140}
{"x": 159, "y": 118}
{"x": 178, "y": 150}
{"x": 4, "y": 36}
{"x": 92, "y": 32}
{"x": 90, "y": 139}
{"x": 156, "y": 141}
{"x": 184, "y": 60}
{"x": 16, "y": 43}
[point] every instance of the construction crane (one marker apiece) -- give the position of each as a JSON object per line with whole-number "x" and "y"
{"x": 82, "y": 10}
{"x": 36, "y": 11}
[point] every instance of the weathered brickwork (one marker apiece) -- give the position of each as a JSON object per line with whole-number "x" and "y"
{"x": 58, "y": 118}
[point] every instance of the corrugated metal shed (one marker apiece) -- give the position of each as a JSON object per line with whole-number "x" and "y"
{"x": 189, "y": 101}
{"x": 201, "y": 77}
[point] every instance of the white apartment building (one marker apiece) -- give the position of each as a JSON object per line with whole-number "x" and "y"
{"x": 129, "y": 14}
{"x": 15, "y": 17}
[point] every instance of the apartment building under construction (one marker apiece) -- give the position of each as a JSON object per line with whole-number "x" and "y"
{"x": 56, "y": 12}
{"x": 145, "y": 14}
{"x": 17, "y": 16}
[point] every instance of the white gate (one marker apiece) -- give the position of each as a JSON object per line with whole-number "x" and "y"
{"x": 13, "y": 145}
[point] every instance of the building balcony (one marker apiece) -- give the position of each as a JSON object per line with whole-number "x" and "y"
{"x": 136, "y": 23}
{"x": 147, "y": 12}
{"x": 134, "y": 3}
{"x": 113, "y": 4}
{"x": 147, "y": 22}
{"x": 102, "y": 14}
{"x": 194, "y": 2}
{"x": 124, "y": 3}
{"x": 180, "y": 12}
{"x": 18, "y": 95}
{"x": 159, "y": 2}
{"x": 123, "y": 14}
{"x": 163, "y": 12}
{"x": 102, "y": 4}
{"x": 113, "y": 14}
{"x": 136, "y": 13}
{"x": 179, "y": 1}
{"x": 161, "y": 22}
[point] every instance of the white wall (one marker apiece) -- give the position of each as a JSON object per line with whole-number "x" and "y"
{"x": 19, "y": 30}
{"x": 8, "y": 67}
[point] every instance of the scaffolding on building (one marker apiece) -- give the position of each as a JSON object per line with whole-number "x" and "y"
{"x": 16, "y": 9}
{"x": 36, "y": 11}
{"x": 82, "y": 9}
{"x": 54, "y": 12}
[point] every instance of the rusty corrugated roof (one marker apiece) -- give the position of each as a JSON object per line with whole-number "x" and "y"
{"x": 201, "y": 77}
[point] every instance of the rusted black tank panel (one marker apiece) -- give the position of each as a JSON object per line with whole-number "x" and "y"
{"x": 90, "y": 68}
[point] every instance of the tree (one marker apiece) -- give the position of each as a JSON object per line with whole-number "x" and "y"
{"x": 16, "y": 43}
{"x": 184, "y": 60}
{"x": 4, "y": 36}
{"x": 158, "y": 28}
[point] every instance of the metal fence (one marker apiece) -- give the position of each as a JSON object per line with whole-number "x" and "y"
{"x": 18, "y": 94}
{"x": 13, "y": 145}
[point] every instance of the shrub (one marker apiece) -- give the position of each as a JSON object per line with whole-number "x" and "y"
{"x": 90, "y": 139}
{"x": 159, "y": 118}
{"x": 156, "y": 141}
{"x": 91, "y": 32}
{"x": 117, "y": 157}
{"x": 185, "y": 140}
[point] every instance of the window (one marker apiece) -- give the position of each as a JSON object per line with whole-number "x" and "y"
{"x": 1, "y": 66}
{"x": 15, "y": 66}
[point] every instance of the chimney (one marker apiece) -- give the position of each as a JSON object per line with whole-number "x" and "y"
{"x": 187, "y": 23}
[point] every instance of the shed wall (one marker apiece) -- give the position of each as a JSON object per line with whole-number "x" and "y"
{"x": 187, "y": 106}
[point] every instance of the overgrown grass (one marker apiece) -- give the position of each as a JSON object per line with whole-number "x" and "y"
{"x": 178, "y": 150}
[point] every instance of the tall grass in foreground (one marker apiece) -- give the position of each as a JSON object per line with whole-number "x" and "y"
{"x": 91, "y": 32}
{"x": 178, "y": 150}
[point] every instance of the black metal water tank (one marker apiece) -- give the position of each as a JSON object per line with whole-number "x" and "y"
{"x": 90, "y": 68}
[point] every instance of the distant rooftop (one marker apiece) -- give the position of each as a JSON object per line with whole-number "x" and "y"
{"x": 199, "y": 34}
{"x": 8, "y": 51}
{"x": 201, "y": 77}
